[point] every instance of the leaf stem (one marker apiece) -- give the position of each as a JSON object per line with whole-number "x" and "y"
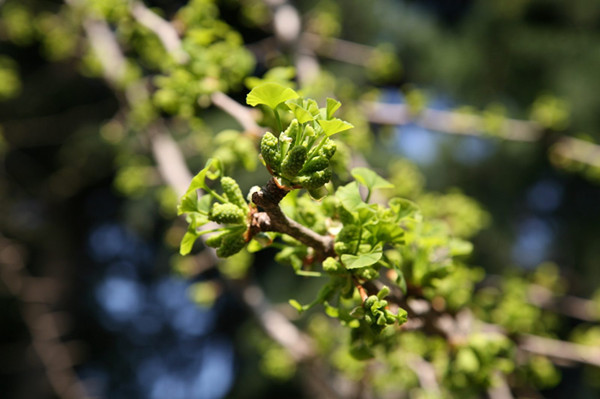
{"x": 278, "y": 119}
{"x": 213, "y": 193}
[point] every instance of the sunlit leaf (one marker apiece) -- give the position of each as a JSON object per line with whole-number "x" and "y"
{"x": 370, "y": 179}
{"x": 198, "y": 182}
{"x": 403, "y": 207}
{"x": 300, "y": 113}
{"x": 188, "y": 203}
{"x": 334, "y": 126}
{"x": 296, "y": 305}
{"x": 187, "y": 242}
{"x": 350, "y": 197}
{"x": 361, "y": 260}
{"x": 270, "y": 94}
{"x": 332, "y": 106}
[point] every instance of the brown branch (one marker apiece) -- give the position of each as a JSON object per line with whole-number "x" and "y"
{"x": 46, "y": 326}
{"x": 273, "y": 219}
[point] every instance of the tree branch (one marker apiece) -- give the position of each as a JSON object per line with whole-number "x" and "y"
{"x": 560, "y": 350}
{"x": 244, "y": 115}
{"x": 273, "y": 219}
{"x": 163, "y": 29}
{"x": 450, "y": 122}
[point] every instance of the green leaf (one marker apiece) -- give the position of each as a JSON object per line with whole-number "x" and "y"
{"x": 350, "y": 197}
{"x": 204, "y": 203}
{"x": 188, "y": 203}
{"x": 301, "y": 114}
{"x": 270, "y": 94}
{"x": 402, "y": 316}
{"x": 460, "y": 247}
{"x": 198, "y": 180}
{"x": 332, "y": 106}
{"x": 334, "y": 126}
{"x": 401, "y": 281}
{"x": 403, "y": 207}
{"x": 361, "y": 260}
{"x": 370, "y": 179}
{"x": 187, "y": 242}
{"x": 296, "y": 305}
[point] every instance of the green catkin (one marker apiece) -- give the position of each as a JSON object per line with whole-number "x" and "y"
{"x": 231, "y": 244}
{"x": 314, "y": 165}
{"x": 292, "y": 130}
{"x": 293, "y": 162}
{"x": 227, "y": 214}
{"x": 328, "y": 149}
{"x": 233, "y": 193}
{"x": 315, "y": 180}
{"x": 269, "y": 149}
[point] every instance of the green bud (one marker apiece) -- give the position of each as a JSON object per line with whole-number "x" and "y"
{"x": 269, "y": 149}
{"x": 316, "y": 164}
{"x": 316, "y": 179}
{"x": 348, "y": 233}
{"x": 328, "y": 149}
{"x": 293, "y": 162}
{"x": 341, "y": 248}
{"x": 367, "y": 273}
{"x": 227, "y": 214}
{"x": 233, "y": 193}
{"x": 332, "y": 265}
{"x": 383, "y": 292}
{"x": 309, "y": 131}
{"x": 232, "y": 244}
{"x": 370, "y": 301}
{"x": 292, "y": 130}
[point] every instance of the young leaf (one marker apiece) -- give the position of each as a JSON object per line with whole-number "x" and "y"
{"x": 361, "y": 260}
{"x": 198, "y": 180}
{"x": 332, "y": 106}
{"x": 296, "y": 305}
{"x": 403, "y": 207}
{"x": 301, "y": 114}
{"x": 270, "y": 94}
{"x": 334, "y": 126}
{"x": 188, "y": 203}
{"x": 370, "y": 179}
{"x": 187, "y": 242}
{"x": 350, "y": 197}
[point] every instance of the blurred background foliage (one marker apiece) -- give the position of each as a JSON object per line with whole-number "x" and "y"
{"x": 86, "y": 214}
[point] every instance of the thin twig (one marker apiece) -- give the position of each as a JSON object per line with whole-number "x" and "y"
{"x": 577, "y": 150}
{"x": 338, "y": 49}
{"x": 450, "y": 122}
{"x": 106, "y": 49}
{"x": 560, "y": 350}
{"x": 500, "y": 388}
{"x": 244, "y": 115}
{"x": 163, "y": 29}
{"x": 425, "y": 373}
